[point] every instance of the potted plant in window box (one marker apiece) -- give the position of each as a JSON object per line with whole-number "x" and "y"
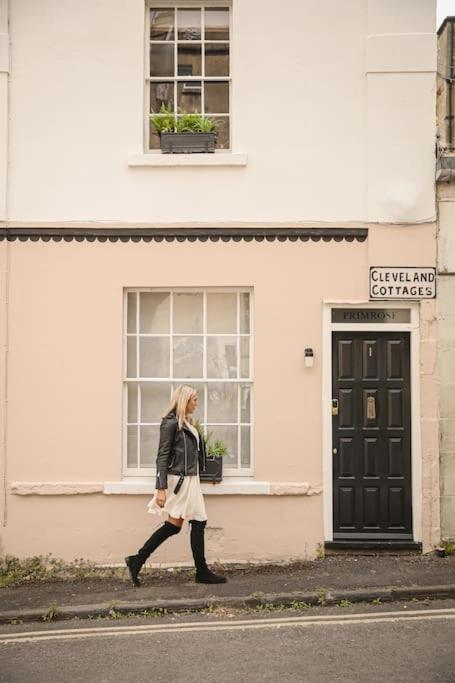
{"x": 185, "y": 134}
{"x": 214, "y": 462}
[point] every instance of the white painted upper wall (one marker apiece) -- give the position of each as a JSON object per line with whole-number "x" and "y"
{"x": 333, "y": 102}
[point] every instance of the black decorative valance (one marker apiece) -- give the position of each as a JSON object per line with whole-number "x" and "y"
{"x": 184, "y": 234}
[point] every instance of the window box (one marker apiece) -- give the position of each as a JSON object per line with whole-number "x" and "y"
{"x": 187, "y": 143}
{"x": 213, "y": 469}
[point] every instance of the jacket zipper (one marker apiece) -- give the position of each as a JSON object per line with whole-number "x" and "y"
{"x": 184, "y": 441}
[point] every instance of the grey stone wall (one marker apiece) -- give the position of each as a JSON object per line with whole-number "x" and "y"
{"x": 446, "y": 372}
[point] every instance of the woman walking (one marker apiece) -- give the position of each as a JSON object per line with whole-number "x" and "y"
{"x": 181, "y": 455}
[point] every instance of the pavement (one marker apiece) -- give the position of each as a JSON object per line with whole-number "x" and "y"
{"x": 328, "y": 581}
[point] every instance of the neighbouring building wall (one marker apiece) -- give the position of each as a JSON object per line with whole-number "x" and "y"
{"x": 446, "y": 274}
{"x": 446, "y": 354}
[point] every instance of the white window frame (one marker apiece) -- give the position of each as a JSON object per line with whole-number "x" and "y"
{"x": 185, "y": 4}
{"x": 128, "y": 472}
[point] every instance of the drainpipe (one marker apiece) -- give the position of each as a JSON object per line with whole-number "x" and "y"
{"x": 4, "y": 249}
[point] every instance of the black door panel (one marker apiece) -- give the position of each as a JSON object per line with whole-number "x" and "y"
{"x": 371, "y": 435}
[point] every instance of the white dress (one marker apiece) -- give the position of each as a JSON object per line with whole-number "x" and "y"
{"x": 188, "y": 503}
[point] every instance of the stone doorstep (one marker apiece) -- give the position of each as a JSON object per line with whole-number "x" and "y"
{"x": 329, "y": 597}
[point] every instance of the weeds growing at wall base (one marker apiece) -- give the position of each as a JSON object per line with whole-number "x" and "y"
{"x": 14, "y": 571}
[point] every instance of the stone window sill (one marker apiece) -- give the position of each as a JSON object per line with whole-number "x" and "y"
{"x": 142, "y": 486}
{"x": 167, "y": 160}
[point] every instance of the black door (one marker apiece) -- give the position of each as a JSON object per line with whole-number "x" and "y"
{"x": 371, "y": 436}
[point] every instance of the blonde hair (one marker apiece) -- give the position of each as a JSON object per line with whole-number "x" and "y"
{"x": 179, "y": 401}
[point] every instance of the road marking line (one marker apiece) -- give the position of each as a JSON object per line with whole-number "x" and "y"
{"x": 268, "y": 620}
{"x": 342, "y": 620}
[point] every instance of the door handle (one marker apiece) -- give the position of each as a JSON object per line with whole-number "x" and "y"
{"x": 334, "y": 406}
{"x": 371, "y": 408}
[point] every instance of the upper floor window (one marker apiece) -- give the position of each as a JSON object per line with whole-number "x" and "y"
{"x": 188, "y": 54}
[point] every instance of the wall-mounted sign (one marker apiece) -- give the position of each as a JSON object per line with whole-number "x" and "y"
{"x": 402, "y": 283}
{"x": 371, "y": 315}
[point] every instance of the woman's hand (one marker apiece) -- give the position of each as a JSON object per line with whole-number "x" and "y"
{"x": 161, "y": 498}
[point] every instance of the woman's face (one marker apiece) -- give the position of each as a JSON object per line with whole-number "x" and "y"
{"x": 192, "y": 404}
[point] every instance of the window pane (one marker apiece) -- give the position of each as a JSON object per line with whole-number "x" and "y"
{"x": 189, "y": 24}
{"x": 131, "y": 450}
{"x": 161, "y": 93}
{"x": 131, "y": 311}
{"x": 221, "y": 357}
{"x": 161, "y": 24}
{"x": 222, "y": 313}
{"x": 154, "y": 138}
{"x": 189, "y": 59}
{"x": 244, "y": 356}
{"x": 161, "y": 60}
{"x": 222, "y": 129}
{"x": 245, "y": 399}
{"x": 154, "y": 312}
{"x": 155, "y": 398}
{"x": 131, "y": 357}
{"x": 217, "y": 23}
{"x": 188, "y": 357}
{"x": 228, "y": 435}
{"x": 154, "y": 356}
{"x": 132, "y": 402}
{"x": 189, "y": 96}
{"x": 216, "y": 97}
{"x": 149, "y": 445}
{"x": 245, "y": 459}
{"x": 187, "y": 313}
{"x": 217, "y": 59}
{"x": 222, "y": 402}
{"x": 244, "y": 312}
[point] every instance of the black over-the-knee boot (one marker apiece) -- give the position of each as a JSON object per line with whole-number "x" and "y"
{"x": 203, "y": 573}
{"x": 135, "y": 562}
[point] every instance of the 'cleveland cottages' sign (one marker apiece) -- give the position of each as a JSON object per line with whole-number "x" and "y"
{"x": 402, "y": 283}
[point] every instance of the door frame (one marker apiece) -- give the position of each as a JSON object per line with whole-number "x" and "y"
{"x": 413, "y": 327}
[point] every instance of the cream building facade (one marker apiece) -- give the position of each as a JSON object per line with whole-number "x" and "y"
{"x": 124, "y": 271}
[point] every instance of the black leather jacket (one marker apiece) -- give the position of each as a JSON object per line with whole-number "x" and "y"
{"x": 178, "y": 452}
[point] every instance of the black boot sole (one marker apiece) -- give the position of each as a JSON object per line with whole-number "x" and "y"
{"x": 133, "y": 575}
{"x": 219, "y": 579}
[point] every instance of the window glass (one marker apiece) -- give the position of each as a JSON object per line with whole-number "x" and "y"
{"x": 217, "y": 59}
{"x": 154, "y": 312}
{"x": 161, "y": 93}
{"x": 199, "y": 345}
{"x": 221, "y": 357}
{"x": 132, "y": 312}
{"x": 222, "y": 313}
{"x": 162, "y": 24}
{"x": 222, "y": 402}
{"x": 155, "y": 397}
{"x": 189, "y": 24}
{"x": 149, "y": 445}
{"x": 188, "y": 311}
{"x": 216, "y": 21}
{"x": 189, "y": 59}
{"x": 161, "y": 59}
{"x": 154, "y": 356}
{"x": 189, "y": 96}
{"x": 188, "y": 357}
{"x": 216, "y": 97}
{"x": 229, "y": 436}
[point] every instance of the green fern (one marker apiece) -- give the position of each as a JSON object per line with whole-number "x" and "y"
{"x": 163, "y": 121}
